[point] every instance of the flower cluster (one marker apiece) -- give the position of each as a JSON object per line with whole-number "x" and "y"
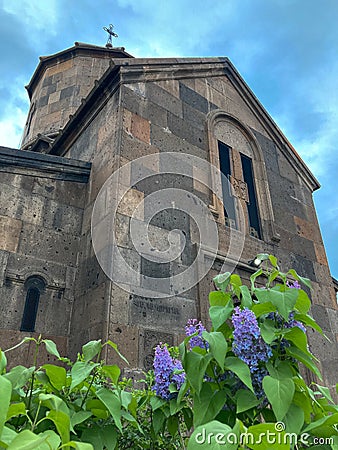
{"x": 193, "y": 327}
{"x": 281, "y": 323}
{"x": 293, "y": 285}
{"x": 249, "y": 346}
{"x": 165, "y": 368}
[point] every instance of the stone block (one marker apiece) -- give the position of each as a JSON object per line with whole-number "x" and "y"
{"x": 320, "y": 253}
{"x": 188, "y": 95}
{"x": 136, "y": 126}
{"x": 323, "y": 349}
{"x": 166, "y": 141}
{"x": 147, "y": 342}
{"x": 60, "y": 67}
{"x": 163, "y": 98}
{"x": 320, "y": 314}
{"x": 185, "y": 129}
{"x": 163, "y": 313}
{"x": 132, "y": 204}
{"x": 132, "y": 148}
{"x": 47, "y": 244}
{"x": 333, "y": 317}
{"x": 307, "y": 230}
{"x": 143, "y": 107}
{"x": 126, "y": 337}
{"x": 119, "y": 305}
{"x": 10, "y": 230}
{"x": 171, "y": 86}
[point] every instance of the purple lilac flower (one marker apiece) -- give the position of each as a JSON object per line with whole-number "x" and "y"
{"x": 164, "y": 366}
{"x": 248, "y": 344}
{"x": 289, "y": 324}
{"x": 294, "y": 285}
{"x": 193, "y": 327}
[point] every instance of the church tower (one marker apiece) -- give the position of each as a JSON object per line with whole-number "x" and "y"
{"x": 58, "y": 85}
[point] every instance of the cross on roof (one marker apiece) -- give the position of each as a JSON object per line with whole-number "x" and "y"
{"x": 111, "y": 34}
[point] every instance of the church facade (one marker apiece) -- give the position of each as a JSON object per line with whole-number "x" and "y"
{"x": 117, "y": 148}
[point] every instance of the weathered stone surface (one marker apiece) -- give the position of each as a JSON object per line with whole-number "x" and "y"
{"x": 148, "y": 341}
{"x": 10, "y": 230}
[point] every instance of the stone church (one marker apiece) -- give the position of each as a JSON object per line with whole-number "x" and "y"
{"x": 108, "y": 139}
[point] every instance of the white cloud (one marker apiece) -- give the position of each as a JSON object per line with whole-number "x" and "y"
{"x": 11, "y": 128}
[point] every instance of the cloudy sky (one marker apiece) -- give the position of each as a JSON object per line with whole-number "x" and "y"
{"x": 286, "y": 50}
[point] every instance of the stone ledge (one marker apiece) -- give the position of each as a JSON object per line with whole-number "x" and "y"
{"x": 45, "y": 166}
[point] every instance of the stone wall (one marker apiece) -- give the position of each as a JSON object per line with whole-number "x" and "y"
{"x": 40, "y": 226}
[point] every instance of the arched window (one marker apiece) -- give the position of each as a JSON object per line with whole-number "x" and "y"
{"x": 34, "y": 286}
{"x": 246, "y": 199}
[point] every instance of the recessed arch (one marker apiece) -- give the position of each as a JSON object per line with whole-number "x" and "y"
{"x": 225, "y": 128}
{"x": 34, "y": 287}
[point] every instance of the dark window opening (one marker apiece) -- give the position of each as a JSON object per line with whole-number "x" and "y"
{"x": 35, "y": 286}
{"x": 228, "y": 201}
{"x": 254, "y": 225}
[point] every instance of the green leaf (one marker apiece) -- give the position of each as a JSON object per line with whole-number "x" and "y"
{"x": 91, "y": 349}
{"x": 211, "y": 436}
{"x": 309, "y": 321}
{"x": 297, "y": 337}
{"x": 283, "y": 300}
{"x": 157, "y": 402}
{"x": 273, "y": 260}
{"x": 195, "y": 365}
{"x": 265, "y": 437}
{"x": 253, "y": 278}
{"x": 113, "y": 404}
{"x": 7, "y": 436}
{"x": 294, "y": 419}
{"x": 19, "y": 376}
{"x": 245, "y": 400}
{"x": 327, "y": 420}
{"x": 158, "y": 420}
{"x": 62, "y": 422}
{"x": 281, "y": 370}
{"x": 114, "y": 346}
{"x": 218, "y": 346}
{"x": 325, "y": 392}
{"x": 222, "y": 280}
{"x": 51, "y": 348}
{"x": 5, "y": 398}
{"x": 304, "y": 358}
{"x": 303, "y": 303}
{"x": 219, "y": 298}
{"x": 207, "y": 404}
{"x": 3, "y": 361}
{"x": 16, "y": 409}
{"x": 172, "y": 425}
{"x": 113, "y": 372}
{"x": 109, "y": 437}
{"x": 26, "y": 440}
{"x": 241, "y": 369}
{"x": 57, "y": 375}
{"x": 303, "y": 280}
{"x": 268, "y": 331}
{"x": 78, "y": 445}
{"x": 279, "y": 393}
{"x": 80, "y": 371}
{"x": 79, "y": 417}
{"x": 246, "y": 297}
{"x": 259, "y": 309}
{"x": 219, "y": 314}
{"x": 53, "y": 402}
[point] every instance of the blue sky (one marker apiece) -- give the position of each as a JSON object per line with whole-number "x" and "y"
{"x": 286, "y": 50}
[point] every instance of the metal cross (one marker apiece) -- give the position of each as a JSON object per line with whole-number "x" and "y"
{"x": 111, "y": 34}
